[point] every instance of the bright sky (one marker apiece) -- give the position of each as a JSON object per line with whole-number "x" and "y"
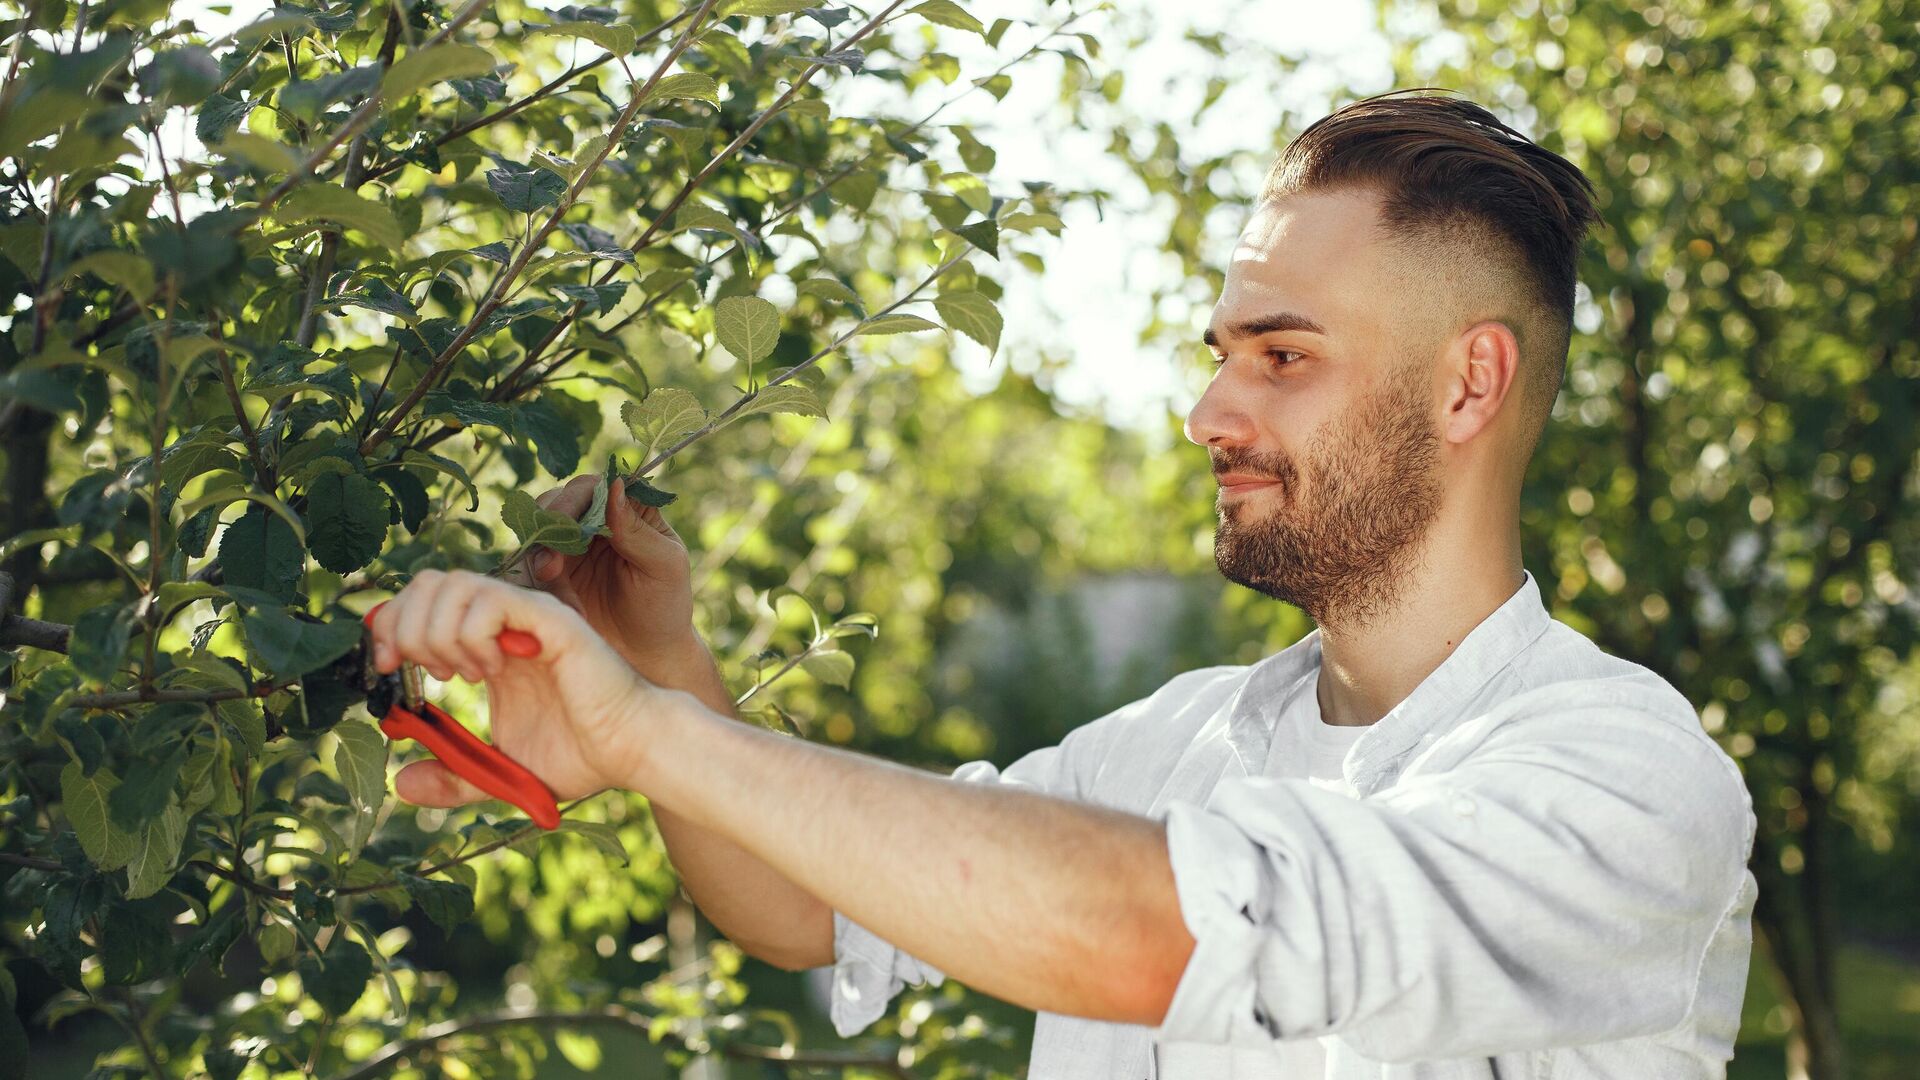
{"x": 1090, "y": 305}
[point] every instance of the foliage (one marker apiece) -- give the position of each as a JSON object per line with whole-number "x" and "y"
{"x": 258, "y": 377}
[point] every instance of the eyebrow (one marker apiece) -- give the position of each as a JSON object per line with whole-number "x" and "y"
{"x": 1266, "y": 324}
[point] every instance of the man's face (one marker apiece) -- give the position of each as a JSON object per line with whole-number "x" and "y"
{"x": 1326, "y": 387}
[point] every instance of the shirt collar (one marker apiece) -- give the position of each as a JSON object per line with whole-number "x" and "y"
{"x": 1433, "y": 706}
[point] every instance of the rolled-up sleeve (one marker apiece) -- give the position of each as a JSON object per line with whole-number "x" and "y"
{"x": 1560, "y": 886}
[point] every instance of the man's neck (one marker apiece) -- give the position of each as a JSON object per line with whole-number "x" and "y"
{"x": 1366, "y": 670}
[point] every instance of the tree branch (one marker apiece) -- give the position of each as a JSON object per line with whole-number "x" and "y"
{"x": 498, "y": 294}
{"x": 16, "y": 630}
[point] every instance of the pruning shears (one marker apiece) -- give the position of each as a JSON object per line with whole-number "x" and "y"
{"x": 404, "y": 713}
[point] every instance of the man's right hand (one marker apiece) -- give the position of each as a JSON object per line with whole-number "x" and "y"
{"x": 632, "y": 584}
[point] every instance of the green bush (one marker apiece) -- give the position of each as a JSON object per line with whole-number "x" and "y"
{"x": 413, "y": 261}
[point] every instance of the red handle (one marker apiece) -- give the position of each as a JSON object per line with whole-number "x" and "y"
{"x": 475, "y": 760}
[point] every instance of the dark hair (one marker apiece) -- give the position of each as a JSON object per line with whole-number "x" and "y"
{"x": 1441, "y": 162}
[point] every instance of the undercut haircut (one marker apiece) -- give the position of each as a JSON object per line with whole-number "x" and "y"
{"x": 1447, "y": 169}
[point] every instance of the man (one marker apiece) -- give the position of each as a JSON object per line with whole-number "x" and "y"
{"x": 1441, "y": 836}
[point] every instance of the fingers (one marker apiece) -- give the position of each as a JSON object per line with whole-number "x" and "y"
{"x": 451, "y": 622}
{"x": 429, "y": 783}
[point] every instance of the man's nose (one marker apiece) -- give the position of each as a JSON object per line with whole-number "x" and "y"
{"x": 1220, "y": 416}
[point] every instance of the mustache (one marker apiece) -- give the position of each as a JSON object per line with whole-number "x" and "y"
{"x": 1272, "y": 468}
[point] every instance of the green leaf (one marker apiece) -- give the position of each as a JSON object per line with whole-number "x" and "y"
{"x": 360, "y": 758}
{"x": 668, "y": 415}
{"x": 895, "y": 324}
{"x": 829, "y": 289}
{"x": 122, "y": 269}
{"x": 258, "y": 151}
{"x": 528, "y": 190}
{"x": 275, "y": 942}
{"x": 984, "y": 235}
{"x": 829, "y": 667}
{"x": 336, "y": 978}
{"x": 617, "y": 39}
{"x": 687, "y": 84}
{"x": 447, "y": 903}
{"x": 328, "y": 202}
{"x": 288, "y": 646}
{"x": 156, "y": 852}
{"x": 594, "y": 521}
{"x": 581, "y": 1049}
{"x": 747, "y": 326}
{"x": 85, "y": 800}
{"x": 604, "y": 836}
{"x": 135, "y": 945}
{"x": 948, "y": 13}
{"x": 438, "y": 63}
{"x": 535, "y": 524}
{"x": 639, "y": 488}
{"x": 784, "y": 398}
{"x": 977, "y": 155}
{"x": 769, "y": 8}
{"x": 147, "y": 788}
{"x": 974, "y": 315}
{"x": 347, "y": 517}
{"x": 556, "y": 440}
{"x": 308, "y": 98}
{"x": 99, "y": 640}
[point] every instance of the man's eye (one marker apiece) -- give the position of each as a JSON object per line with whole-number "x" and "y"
{"x": 1280, "y": 357}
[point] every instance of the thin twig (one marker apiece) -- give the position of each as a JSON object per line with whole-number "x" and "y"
{"x": 498, "y": 295}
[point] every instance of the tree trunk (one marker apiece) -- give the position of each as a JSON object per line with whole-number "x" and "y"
{"x": 1815, "y": 1050}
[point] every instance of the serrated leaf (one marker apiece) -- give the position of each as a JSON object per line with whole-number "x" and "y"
{"x": 666, "y": 416}
{"x": 896, "y": 324}
{"x": 329, "y": 202}
{"x": 258, "y": 151}
{"x": 974, "y": 315}
{"x": 336, "y": 978}
{"x": 447, "y": 903}
{"x": 438, "y": 63}
{"x": 747, "y": 326}
{"x": 84, "y": 798}
{"x": 829, "y": 289}
{"x": 122, "y": 269}
{"x": 347, "y": 517}
{"x": 534, "y": 524}
{"x": 948, "y": 13}
{"x": 261, "y": 551}
{"x": 639, "y": 488}
{"x": 695, "y": 85}
{"x": 604, "y": 836}
{"x": 156, "y": 851}
{"x": 594, "y": 521}
{"x": 769, "y": 8}
{"x": 835, "y": 668}
{"x": 617, "y": 39}
{"x": 984, "y": 235}
{"x": 360, "y": 758}
{"x": 527, "y": 191}
{"x": 275, "y": 942}
{"x": 288, "y": 646}
{"x": 784, "y": 398}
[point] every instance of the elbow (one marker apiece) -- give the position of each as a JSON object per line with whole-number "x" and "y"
{"x": 1143, "y": 990}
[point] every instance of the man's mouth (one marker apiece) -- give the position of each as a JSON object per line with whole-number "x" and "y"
{"x": 1236, "y": 483}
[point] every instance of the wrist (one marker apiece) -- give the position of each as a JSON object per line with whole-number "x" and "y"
{"x": 681, "y": 662}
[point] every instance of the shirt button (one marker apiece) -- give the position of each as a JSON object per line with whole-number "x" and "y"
{"x": 1463, "y": 806}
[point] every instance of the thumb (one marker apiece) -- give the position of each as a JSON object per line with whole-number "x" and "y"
{"x": 429, "y": 782}
{"x": 641, "y": 534}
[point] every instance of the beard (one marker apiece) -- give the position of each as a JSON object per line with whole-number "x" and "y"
{"x": 1339, "y": 537}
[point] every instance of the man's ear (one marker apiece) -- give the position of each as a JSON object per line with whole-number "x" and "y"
{"x": 1484, "y": 362}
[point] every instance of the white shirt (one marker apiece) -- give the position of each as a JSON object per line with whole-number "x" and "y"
{"x": 1539, "y": 871}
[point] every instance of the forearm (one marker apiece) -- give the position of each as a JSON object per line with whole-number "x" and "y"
{"x": 755, "y": 905}
{"x": 1043, "y": 902}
